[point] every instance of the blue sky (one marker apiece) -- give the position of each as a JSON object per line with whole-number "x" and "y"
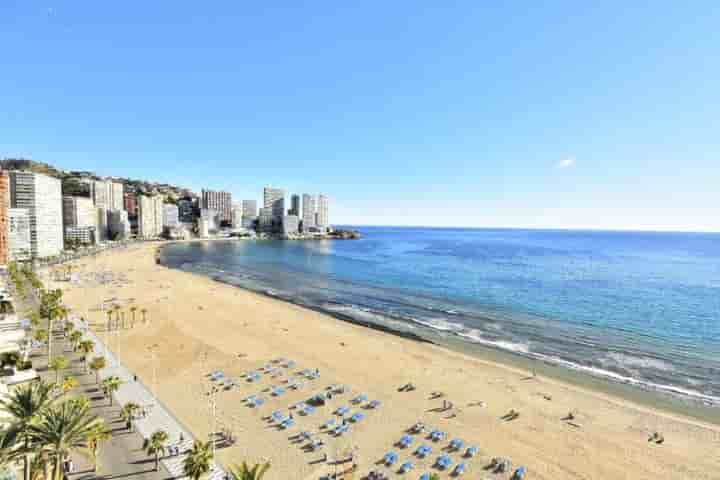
{"x": 552, "y": 114}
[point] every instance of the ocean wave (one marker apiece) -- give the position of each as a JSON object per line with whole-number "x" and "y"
{"x": 437, "y": 324}
{"x": 476, "y": 336}
{"x": 630, "y": 361}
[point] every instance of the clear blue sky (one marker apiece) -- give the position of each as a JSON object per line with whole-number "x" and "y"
{"x": 532, "y": 114}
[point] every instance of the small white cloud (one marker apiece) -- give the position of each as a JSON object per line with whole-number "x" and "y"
{"x": 565, "y": 163}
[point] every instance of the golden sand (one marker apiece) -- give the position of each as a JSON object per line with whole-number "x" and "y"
{"x": 200, "y": 326}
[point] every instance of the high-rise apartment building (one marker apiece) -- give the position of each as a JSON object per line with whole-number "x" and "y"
{"x": 150, "y": 216}
{"x": 308, "y": 212}
{"x": 118, "y": 224}
{"x": 79, "y": 212}
{"x": 19, "y": 234}
{"x": 116, "y": 200}
{"x": 323, "y": 219}
{"x": 221, "y": 202}
{"x": 187, "y": 208}
{"x": 274, "y": 199}
{"x": 290, "y": 224}
{"x": 41, "y": 195}
{"x": 295, "y": 206}
{"x": 171, "y": 216}
{"x": 249, "y": 213}
{"x": 4, "y": 217}
{"x": 130, "y": 203}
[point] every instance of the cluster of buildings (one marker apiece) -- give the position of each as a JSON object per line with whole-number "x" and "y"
{"x": 40, "y": 215}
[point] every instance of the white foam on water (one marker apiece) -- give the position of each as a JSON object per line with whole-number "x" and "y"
{"x": 626, "y": 360}
{"x": 476, "y": 336}
{"x": 438, "y": 324}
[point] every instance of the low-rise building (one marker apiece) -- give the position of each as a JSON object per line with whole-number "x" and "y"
{"x": 79, "y": 235}
{"x": 119, "y": 224}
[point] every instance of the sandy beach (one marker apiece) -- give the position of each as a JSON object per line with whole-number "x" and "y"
{"x": 200, "y": 326}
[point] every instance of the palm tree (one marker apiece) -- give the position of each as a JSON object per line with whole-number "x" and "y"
{"x": 111, "y": 385}
{"x": 156, "y": 445}
{"x": 144, "y": 313}
{"x": 64, "y": 429}
{"x": 116, "y": 309}
{"x": 68, "y": 384}
{"x": 244, "y": 472}
{"x": 58, "y": 364}
{"x": 109, "y": 322}
{"x": 97, "y": 364}
{"x": 95, "y": 439}
{"x": 198, "y": 462}
{"x": 10, "y": 449}
{"x": 86, "y": 347}
{"x": 133, "y": 309}
{"x": 75, "y": 339}
{"x": 128, "y": 413}
{"x": 24, "y": 405}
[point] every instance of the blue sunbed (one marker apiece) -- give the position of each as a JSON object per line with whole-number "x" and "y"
{"x": 457, "y": 444}
{"x": 471, "y": 452}
{"x": 287, "y": 424}
{"x": 390, "y": 458}
{"x": 519, "y": 474}
{"x": 423, "y": 451}
{"x": 375, "y": 404}
{"x": 459, "y": 469}
{"x": 357, "y": 417}
{"x": 360, "y": 398}
{"x": 406, "y": 467}
{"x": 405, "y": 441}
{"x": 342, "y": 410}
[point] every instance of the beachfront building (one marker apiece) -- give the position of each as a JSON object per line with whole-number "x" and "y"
{"x": 4, "y": 217}
{"x": 212, "y": 218}
{"x": 119, "y": 224}
{"x": 249, "y": 213}
{"x": 295, "y": 205}
{"x": 290, "y": 225}
{"x": 274, "y": 199}
{"x": 80, "y": 220}
{"x": 187, "y": 208}
{"x": 265, "y": 220}
{"x": 308, "y": 212}
{"x": 219, "y": 201}
{"x": 116, "y": 199}
{"x": 19, "y": 234}
{"x": 171, "y": 216}
{"x": 79, "y": 236}
{"x": 237, "y": 215}
{"x": 130, "y": 203}
{"x": 101, "y": 219}
{"x": 322, "y": 221}
{"x": 78, "y": 212}
{"x": 41, "y": 195}
{"x": 150, "y": 216}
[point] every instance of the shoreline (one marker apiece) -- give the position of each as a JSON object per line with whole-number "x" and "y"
{"x": 201, "y": 324}
{"x": 670, "y": 401}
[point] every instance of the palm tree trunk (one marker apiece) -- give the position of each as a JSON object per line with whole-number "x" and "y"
{"x": 57, "y": 474}
{"x": 157, "y": 461}
{"x": 26, "y": 464}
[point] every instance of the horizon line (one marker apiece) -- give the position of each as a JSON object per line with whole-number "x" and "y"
{"x": 557, "y": 229}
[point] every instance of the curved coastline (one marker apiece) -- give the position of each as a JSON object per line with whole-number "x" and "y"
{"x": 645, "y": 394}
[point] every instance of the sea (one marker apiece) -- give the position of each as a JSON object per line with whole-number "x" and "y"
{"x": 637, "y": 308}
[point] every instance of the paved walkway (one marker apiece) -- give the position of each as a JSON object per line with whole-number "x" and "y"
{"x": 122, "y": 455}
{"x": 158, "y": 416}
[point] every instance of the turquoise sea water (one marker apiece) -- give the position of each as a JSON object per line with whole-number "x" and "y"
{"x": 637, "y": 308}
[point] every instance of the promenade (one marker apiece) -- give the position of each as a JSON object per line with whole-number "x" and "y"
{"x": 158, "y": 417}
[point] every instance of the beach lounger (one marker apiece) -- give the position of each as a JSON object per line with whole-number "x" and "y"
{"x": 405, "y": 441}
{"x": 459, "y": 469}
{"x": 359, "y": 416}
{"x": 406, "y": 467}
{"x": 277, "y": 392}
{"x": 305, "y": 435}
{"x": 258, "y": 402}
{"x": 289, "y": 364}
{"x": 328, "y": 424}
{"x": 425, "y": 476}
{"x": 277, "y": 416}
{"x": 316, "y": 445}
{"x": 471, "y": 452}
{"x": 342, "y": 410}
{"x": 289, "y": 423}
{"x": 390, "y": 458}
{"x": 519, "y": 474}
{"x": 374, "y": 404}
{"x": 250, "y": 398}
{"x": 457, "y": 444}
{"x": 359, "y": 399}
{"x": 424, "y": 451}
{"x": 341, "y": 429}
{"x": 308, "y": 410}
{"x": 443, "y": 462}
{"x": 437, "y": 435}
